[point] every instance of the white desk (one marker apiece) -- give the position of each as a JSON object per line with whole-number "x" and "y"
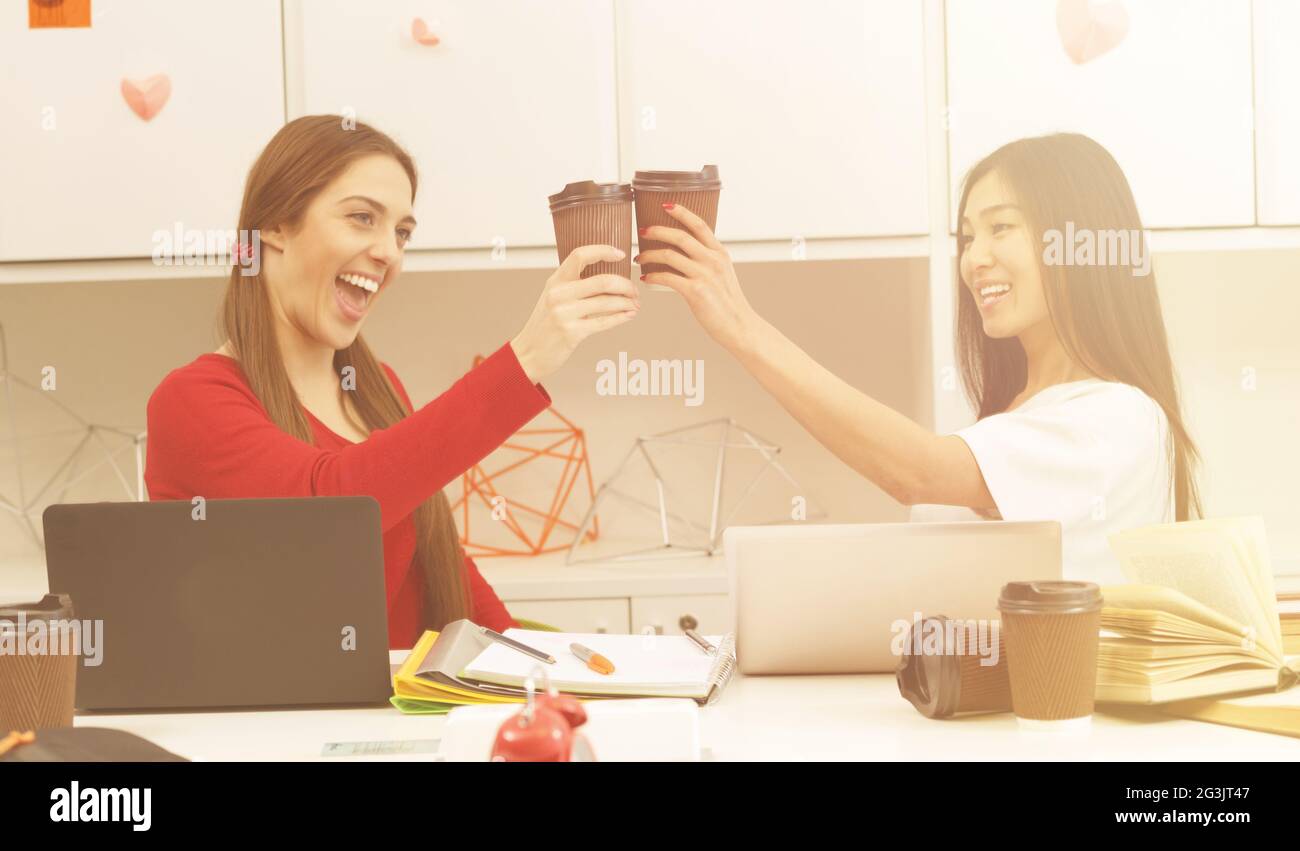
{"x": 757, "y": 718}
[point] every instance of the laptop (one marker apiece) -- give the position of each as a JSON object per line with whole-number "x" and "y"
{"x": 830, "y": 599}
{"x": 244, "y": 603}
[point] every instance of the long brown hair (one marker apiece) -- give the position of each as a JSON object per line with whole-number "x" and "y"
{"x": 1107, "y": 318}
{"x": 299, "y": 161}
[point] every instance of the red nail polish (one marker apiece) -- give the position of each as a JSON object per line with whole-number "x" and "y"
{"x": 643, "y": 277}
{"x": 640, "y": 231}
{"x": 669, "y": 205}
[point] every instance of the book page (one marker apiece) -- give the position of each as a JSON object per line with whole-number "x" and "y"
{"x": 1166, "y": 599}
{"x": 1210, "y": 564}
{"x": 1252, "y": 540}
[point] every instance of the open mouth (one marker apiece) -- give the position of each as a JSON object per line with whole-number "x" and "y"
{"x": 990, "y": 294}
{"x": 352, "y": 292}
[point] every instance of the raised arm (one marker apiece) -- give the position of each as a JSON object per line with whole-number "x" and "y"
{"x": 906, "y": 460}
{"x": 210, "y": 436}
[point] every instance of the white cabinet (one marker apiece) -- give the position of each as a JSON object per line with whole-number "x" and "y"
{"x": 1171, "y": 101}
{"x": 514, "y": 101}
{"x": 814, "y": 114}
{"x": 607, "y": 615}
{"x": 662, "y": 615}
{"x": 1277, "y": 111}
{"x": 82, "y": 175}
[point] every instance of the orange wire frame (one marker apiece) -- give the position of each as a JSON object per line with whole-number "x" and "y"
{"x": 477, "y": 485}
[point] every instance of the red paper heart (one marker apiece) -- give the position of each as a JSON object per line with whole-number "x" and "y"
{"x": 420, "y": 32}
{"x": 148, "y": 97}
{"x": 1088, "y": 30}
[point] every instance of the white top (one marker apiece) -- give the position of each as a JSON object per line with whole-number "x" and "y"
{"x": 1090, "y": 454}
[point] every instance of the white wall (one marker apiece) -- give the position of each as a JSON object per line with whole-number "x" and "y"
{"x": 1231, "y": 318}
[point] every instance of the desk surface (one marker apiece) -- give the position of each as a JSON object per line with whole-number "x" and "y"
{"x": 757, "y": 718}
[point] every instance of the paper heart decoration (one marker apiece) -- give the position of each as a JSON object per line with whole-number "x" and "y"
{"x": 148, "y": 97}
{"x": 1087, "y": 30}
{"x": 420, "y": 32}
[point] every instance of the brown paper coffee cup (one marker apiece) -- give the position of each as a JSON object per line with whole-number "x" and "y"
{"x": 589, "y": 213}
{"x": 697, "y": 191}
{"x": 1052, "y": 631}
{"x": 954, "y": 680}
{"x": 37, "y": 689}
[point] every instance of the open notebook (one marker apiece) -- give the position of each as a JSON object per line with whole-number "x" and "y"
{"x": 436, "y": 676}
{"x": 644, "y": 665}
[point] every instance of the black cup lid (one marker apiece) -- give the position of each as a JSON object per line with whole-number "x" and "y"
{"x": 1055, "y": 597}
{"x": 930, "y": 683}
{"x": 50, "y": 607}
{"x": 682, "y": 181}
{"x": 590, "y": 192}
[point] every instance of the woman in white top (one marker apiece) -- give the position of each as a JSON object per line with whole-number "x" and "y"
{"x": 1063, "y": 354}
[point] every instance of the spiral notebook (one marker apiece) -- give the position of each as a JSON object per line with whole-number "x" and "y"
{"x": 644, "y": 665}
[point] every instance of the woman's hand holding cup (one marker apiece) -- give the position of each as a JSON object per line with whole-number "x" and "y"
{"x": 573, "y": 308}
{"x": 703, "y": 275}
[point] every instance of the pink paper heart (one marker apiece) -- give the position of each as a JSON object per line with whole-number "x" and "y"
{"x": 420, "y": 32}
{"x": 1087, "y": 30}
{"x": 148, "y": 97}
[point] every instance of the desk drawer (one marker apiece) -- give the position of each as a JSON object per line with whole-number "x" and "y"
{"x": 608, "y": 615}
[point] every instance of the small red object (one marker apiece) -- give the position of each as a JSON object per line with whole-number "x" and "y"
{"x": 570, "y": 708}
{"x": 535, "y": 734}
{"x": 668, "y": 205}
{"x": 544, "y": 731}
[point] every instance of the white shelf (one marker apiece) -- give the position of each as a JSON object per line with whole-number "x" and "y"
{"x": 547, "y": 577}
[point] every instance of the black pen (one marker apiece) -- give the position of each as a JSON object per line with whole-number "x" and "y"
{"x": 522, "y": 648}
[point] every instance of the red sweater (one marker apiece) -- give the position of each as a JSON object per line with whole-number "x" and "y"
{"x": 209, "y": 435}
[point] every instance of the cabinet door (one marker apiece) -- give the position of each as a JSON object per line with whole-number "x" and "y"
{"x": 514, "y": 101}
{"x": 1171, "y": 100}
{"x": 82, "y": 175}
{"x": 1277, "y": 111}
{"x": 662, "y": 615}
{"x": 814, "y": 113}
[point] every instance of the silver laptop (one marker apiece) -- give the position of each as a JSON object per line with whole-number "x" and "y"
{"x": 252, "y": 602}
{"x": 830, "y": 599}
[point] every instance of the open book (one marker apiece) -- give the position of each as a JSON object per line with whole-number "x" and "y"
{"x": 1201, "y": 619}
{"x": 1288, "y": 609}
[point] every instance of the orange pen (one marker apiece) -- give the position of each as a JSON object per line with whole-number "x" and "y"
{"x": 594, "y": 660}
{"x": 14, "y": 739}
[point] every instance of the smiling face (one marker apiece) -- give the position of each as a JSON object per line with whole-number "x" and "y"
{"x": 326, "y": 273}
{"x": 999, "y": 261}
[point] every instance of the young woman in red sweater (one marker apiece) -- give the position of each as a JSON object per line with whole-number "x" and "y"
{"x": 295, "y": 404}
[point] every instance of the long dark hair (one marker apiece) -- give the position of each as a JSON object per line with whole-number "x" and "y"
{"x": 299, "y": 161}
{"x": 1108, "y": 319}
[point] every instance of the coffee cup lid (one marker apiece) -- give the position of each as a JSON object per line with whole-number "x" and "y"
{"x": 48, "y": 608}
{"x": 590, "y": 192}
{"x": 1054, "y": 597}
{"x": 667, "y": 181}
{"x": 931, "y": 683}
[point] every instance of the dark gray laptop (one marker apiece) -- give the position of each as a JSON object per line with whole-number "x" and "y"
{"x": 262, "y": 602}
